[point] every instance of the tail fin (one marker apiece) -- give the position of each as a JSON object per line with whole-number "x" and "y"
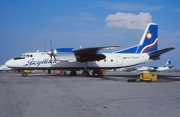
{"x": 168, "y": 63}
{"x": 148, "y": 42}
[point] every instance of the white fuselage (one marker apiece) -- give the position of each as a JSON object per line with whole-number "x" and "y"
{"x": 145, "y": 69}
{"x": 153, "y": 69}
{"x": 162, "y": 68}
{"x": 42, "y": 60}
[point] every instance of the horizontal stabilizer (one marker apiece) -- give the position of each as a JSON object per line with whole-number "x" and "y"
{"x": 156, "y": 54}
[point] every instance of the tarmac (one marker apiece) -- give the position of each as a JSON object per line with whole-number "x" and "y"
{"x": 42, "y": 95}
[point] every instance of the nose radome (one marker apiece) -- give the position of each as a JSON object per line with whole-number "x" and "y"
{"x": 9, "y": 63}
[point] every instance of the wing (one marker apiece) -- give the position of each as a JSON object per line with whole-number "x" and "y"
{"x": 155, "y": 55}
{"x": 94, "y": 49}
{"x": 92, "y": 53}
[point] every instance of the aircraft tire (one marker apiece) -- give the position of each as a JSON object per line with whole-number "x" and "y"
{"x": 24, "y": 74}
{"x": 100, "y": 75}
{"x": 98, "y": 72}
{"x": 85, "y": 73}
{"x": 73, "y": 73}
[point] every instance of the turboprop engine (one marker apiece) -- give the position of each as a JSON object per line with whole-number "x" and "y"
{"x": 69, "y": 57}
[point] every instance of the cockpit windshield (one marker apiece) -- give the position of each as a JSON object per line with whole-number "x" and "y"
{"x": 23, "y": 56}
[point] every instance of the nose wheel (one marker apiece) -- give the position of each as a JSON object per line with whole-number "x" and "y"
{"x": 24, "y": 74}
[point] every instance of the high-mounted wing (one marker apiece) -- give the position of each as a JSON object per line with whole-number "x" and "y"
{"x": 156, "y": 54}
{"x": 91, "y": 54}
{"x": 94, "y": 49}
{"x": 82, "y": 54}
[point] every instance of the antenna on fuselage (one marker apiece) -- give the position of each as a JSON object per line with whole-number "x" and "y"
{"x": 50, "y": 44}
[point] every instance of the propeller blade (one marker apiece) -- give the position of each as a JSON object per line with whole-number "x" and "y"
{"x": 51, "y": 45}
{"x": 52, "y": 52}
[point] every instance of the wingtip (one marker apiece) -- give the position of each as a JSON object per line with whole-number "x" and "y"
{"x": 172, "y": 48}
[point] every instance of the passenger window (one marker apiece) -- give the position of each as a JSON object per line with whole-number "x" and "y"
{"x": 31, "y": 55}
{"x": 27, "y": 55}
{"x": 111, "y": 60}
{"x": 104, "y": 60}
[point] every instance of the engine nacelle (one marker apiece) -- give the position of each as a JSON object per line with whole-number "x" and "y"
{"x": 68, "y": 57}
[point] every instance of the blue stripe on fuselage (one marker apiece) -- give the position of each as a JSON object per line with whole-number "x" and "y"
{"x": 65, "y": 49}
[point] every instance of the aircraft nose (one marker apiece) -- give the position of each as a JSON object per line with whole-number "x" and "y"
{"x": 9, "y": 63}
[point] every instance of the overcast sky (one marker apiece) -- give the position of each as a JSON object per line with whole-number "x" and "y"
{"x": 28, "y": 25}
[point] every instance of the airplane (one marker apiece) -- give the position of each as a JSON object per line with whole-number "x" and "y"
{"x": 5, "y": 68}
{"x": 163, "y": 68}
{"x": 154, "y": 69}
{"x": 144, "y": 68}
{"x": 92, "y": 58}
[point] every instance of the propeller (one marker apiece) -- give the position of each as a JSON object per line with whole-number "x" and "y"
{"x": 52, "y": 52}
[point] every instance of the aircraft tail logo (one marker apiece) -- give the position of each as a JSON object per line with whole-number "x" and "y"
{"x": 168, "y": 63}
{"x": 148, "y": 42}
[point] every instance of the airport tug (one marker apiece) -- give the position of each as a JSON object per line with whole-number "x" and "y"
{"x": 147, "y": 76}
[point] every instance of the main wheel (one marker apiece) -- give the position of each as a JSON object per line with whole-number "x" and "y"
{"x": 100, "y": 73}
{"x": 73, "y": 73}
{"x": 85, "y": 73}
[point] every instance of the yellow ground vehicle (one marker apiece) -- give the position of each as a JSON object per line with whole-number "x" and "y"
{"x": 148, "y": 77}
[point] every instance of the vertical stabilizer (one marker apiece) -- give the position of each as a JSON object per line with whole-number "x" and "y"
{"x": 148, "y": 42}
{"x": 168, "y": 63}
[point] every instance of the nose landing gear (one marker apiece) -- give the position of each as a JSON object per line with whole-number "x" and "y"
{"x": 24, "y": 74}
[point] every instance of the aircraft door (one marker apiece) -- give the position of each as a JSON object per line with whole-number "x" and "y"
{"x": 119, "y": 61}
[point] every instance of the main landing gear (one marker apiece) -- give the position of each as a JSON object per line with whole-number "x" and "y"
{"x": 73, "y": 73}
{"x": 86, "y": 73}
{"x": 99, "y": 72}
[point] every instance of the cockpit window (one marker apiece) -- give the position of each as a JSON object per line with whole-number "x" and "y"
{"x": 19, "y": 58}
{"x": 23, "y": 56}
